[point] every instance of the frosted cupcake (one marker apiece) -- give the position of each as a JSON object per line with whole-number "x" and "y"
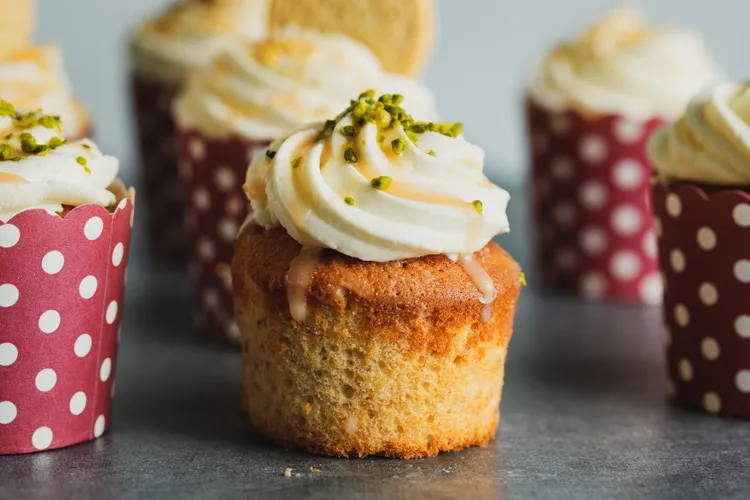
{"x": 375, "y": 311}
{"x": 164, "y": 51}
{"x": 701, "y": 198}
{"x": 65, "y": 225}
{"x": 591, "y": 107}
{"x": 251, "y": 95}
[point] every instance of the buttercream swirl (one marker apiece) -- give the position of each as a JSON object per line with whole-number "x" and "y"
{"x": 622, "y": 66}
{"x": 190, "y": 33}
{"x": 266, "y": 90}
{"x": 34, "y": 77}
{"x": 383, "y": 200}
{"x": 70, "y": 174}
{"x": 711, "y": 143}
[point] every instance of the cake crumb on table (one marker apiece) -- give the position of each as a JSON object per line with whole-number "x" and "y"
{"x": 314, "y": 470}
{"x": 288, "y": 472}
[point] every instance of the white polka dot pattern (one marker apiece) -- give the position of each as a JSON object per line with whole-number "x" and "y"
{"x": 216, "y": 210}
{"x": 591, "y": 185}
{"x": 704, "y": 251}
{"x": 56, "y": 278}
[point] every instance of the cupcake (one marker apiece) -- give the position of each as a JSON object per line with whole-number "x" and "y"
{"x": 374, "y": 310}
{"x": 701, "y": 201}
{"x": 591, "y": 107}
{"x": 65, "y": 224}
{"x": 164, "y": 51}
{"x": 229, "y": 113}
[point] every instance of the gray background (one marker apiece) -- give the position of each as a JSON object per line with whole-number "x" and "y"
{"x": 486, "y": 51}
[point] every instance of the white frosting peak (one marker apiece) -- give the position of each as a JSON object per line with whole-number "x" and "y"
{"x": 622, "y": 66}
{"x": 430, "y": 206}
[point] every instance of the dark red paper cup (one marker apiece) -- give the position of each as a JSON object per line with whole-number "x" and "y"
{"x": 61, "y": 293}
{"x": 704, "y": 254}
{"x": 162, "y": 191}
{"x": 590, "y": 182}
{"x": 213, "y": 172}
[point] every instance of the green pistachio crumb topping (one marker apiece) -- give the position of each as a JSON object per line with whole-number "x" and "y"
{"x": 296, "y": 162}
{"x": 380, "y": 137}
{"x": 30, "y": 146}
{"x": 385, "y": 98}
{"x": 478, "y": 206}
{"x": 84, "y": 163}
{"x": 383, "y": 182}
{"x": 6, "y": 108}
{"x": 398, "y": 145}
{"x": 4, "y": 152}
{"x": 364, "y": 142}
{"x": 431, "y": 153}
{"x": 56, "y": 142}
{"x": 50, "y": 121}
{"x": 368, "y": 94}
{"x": 270, "y": 153}
{"x": 522, "y": 279}
{"x": 85, "y": 146}
{"x": 350, "y": 156}
{"x": 16, "y": 158}
{"x": 349, "y": 131}
{"x": 349, "y": 201}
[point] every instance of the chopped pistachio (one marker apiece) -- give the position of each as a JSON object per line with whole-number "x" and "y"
{"x": 478, "y": 206}
{"x": 349, "y": 131}
{"x": 398, "y": 145}
{"x": 84, "y": 163}
{"x": 522, "y": 279}
{"x": 360, "y": 109}
{"x": 50, "y": 121}
{"x": 296, "y": 162}
{"x": 270, "y": 153}
{"x": 4, "y": 152}
{"x": 386, "y": 98}
{"x": 383, "y": 182}
{"x": 367, "y": 94}
{"x": 380, "y": 137}
{"x": 431, "y": 153}
{"x": 397, "y": 99}
{"x": 6, "y": 108}
{"x": 349, "y": 201}
{"x": 56, "y": 142}
{"x": 85, "y": 146}
{"x": 350, "y": 156}
{"x": 458, "y": 129}
{"x": 412, "y": 136}
{"x": 16, "y": 158}
{"x": 30, "y": 146}
{"x": 364, "y": 142}
{"x": 382, "y": 118}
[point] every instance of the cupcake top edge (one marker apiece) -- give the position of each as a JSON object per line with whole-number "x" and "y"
{"x": 34, "y": 77}
{"x": 40, "y": 169}
{"x": 377, "y": 185}
{"x": 264, "y": 90}
{"x": 624, "y": 67}
{"x": 191, "y": 32}
{"x": 710, "y": 143}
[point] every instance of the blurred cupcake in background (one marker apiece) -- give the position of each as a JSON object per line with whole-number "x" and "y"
{"x": 701, "y": 198}
{"x": 65, "y": 223}
{"x": 590, "y": 109}
{"x": 251, "y": 95}
{"x": 164, "y": 51}
{"x": 34, "y": 76}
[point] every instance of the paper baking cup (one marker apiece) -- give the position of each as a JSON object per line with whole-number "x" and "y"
{"x": 160, "y": 185}
{"x": 61, "y": 292}
{"x": 590, "y": 183}
{"x": 213, "y": 171}
{"x": 704, "y": 253}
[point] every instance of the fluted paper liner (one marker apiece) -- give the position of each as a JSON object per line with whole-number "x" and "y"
{"x": 704, "y": 254}
{"x": 161, "y": 191}
{"x": 61, "y": 300}
{"x": 213, "y": 171}
{"x": 590, "y": 183}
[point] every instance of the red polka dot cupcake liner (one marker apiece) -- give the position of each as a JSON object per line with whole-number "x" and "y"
{"x": 590, "y": 182}
{"x": 213, "y": 172}
{"x": 161, "y": 190}
{"x": 61, "y": 300}
{"x": 704, "y": 254}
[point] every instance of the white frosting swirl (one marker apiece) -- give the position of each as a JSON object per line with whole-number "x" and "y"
{"x": 325, "y": 202}
{"x": 35, "y": 77}
{"x": 55, "y": 179}
{"x": 710, "y": 144}
{"x": 621, "y": 66}
{"x": 269, "y": 89}
{"x": 189, "y": 34}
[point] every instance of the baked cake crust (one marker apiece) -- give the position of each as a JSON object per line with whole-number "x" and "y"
{"x": 393, "y": 359}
